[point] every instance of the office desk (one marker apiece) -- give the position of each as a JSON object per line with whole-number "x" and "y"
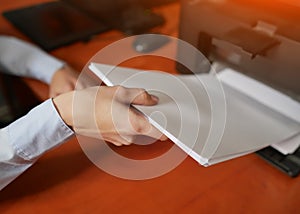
{"x": 64, "y": 180}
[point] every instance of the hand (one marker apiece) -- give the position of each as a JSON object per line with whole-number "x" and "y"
{"x": 106, "y": 113}
{"x": 64, "y": 80}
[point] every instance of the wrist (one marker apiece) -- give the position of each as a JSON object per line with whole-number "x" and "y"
{"x": 63, "y": 104}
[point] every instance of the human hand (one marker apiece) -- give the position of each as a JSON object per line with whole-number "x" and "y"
{"x": 64, "y": 80}
{"x": 106, "y": 113}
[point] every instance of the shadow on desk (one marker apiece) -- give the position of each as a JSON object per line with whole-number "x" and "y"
{"x": 68, "y": 163}
{"x": 46, "y": 173}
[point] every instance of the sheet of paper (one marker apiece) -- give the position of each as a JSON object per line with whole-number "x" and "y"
{"x": 261, "y": 93}
{"x": 289, "y": 145}
{"x": 268, "y": 96}
{"x": 194, "y": 113}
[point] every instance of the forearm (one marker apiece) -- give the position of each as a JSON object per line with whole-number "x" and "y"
{"x": 25, "y": 140}
{"x": 24, "y": 59}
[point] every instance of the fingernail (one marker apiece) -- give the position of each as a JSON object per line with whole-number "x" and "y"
{"x": 155, "y": 98}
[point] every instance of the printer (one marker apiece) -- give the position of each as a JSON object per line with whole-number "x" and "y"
{"x": 257, "y": 38}
{"x": 260, "y": 38}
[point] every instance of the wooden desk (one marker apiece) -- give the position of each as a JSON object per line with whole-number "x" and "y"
{"x": 64, "y": 180}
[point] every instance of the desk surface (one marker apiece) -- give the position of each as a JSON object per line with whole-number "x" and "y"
{"x": 65, "y": 180}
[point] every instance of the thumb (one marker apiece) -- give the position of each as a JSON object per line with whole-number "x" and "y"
{"x": 144, "y": 98}
{"x": 137, "y": 96}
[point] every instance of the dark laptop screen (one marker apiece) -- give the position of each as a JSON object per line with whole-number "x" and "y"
{"x": 54, "y": 24}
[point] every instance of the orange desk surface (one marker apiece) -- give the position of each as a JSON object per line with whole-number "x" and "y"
{"x": 64, "y": 180}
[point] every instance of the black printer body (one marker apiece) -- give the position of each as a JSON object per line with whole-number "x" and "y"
{"x": 260, "y": 38}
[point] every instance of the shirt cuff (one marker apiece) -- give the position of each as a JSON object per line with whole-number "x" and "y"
{"x": 39, "y": 131}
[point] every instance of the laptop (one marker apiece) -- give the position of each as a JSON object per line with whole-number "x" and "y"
{"x": 54, "y": 24}
{"x": 57, "y": 23}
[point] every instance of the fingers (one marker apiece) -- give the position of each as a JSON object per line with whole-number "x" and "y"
{"x": 117, "y": 121}
{"x": 144, "y": 98}
{"x": 138, "y": 121}
{"x": 136, "y": 96}
{"x": 141, "y": 126}
{"x": 118, "y": 140}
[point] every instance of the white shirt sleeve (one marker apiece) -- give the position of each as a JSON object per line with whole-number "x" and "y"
{"x": 26, "y": 139}
{"x": 24, "y": 59}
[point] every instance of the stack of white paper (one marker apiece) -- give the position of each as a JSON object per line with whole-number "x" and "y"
{"x": 210, "y": 120}
{"x": 273, "y": 99}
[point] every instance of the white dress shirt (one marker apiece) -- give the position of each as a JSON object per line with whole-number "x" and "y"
{"x": 23, "y": 59}
{"x": 26, "y": 139}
